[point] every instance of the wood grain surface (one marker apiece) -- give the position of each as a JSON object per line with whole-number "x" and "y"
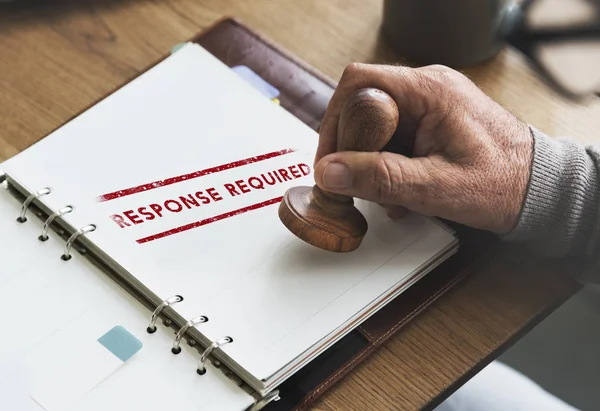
{"x": 56, "y": 57}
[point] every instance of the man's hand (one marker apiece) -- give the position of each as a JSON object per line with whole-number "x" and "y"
{"x": 471, "y": 158}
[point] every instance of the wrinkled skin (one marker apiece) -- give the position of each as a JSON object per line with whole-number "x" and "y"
{"x": 470, "y": 159}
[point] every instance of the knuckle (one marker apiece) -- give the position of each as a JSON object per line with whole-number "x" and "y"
{"x": 442, "y": 77}
{"x": 440, "y": 68}
{"x": 352, "y": 70}
{"x": 444, "y": 86}
{"x": 445, "y": 78}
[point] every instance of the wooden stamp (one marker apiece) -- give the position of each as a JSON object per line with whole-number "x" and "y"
{"x": 330, "y": 221}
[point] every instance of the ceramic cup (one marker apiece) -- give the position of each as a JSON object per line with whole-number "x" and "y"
{"x": 455, "y": 33}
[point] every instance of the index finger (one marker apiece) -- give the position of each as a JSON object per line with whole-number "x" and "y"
{"x": 401, "y": 83}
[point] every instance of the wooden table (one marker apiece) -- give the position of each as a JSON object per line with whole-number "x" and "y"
{"x": 58, "y": 57}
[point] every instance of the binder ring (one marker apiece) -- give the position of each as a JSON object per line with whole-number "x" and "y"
{"x": 176, "y": 348}
{"x": 172, "y": 300}
{"x": 82, "y": 231}
{"x": 201, "y": 369}
{"x": 28, "y": 200}
{"x": 263, "y": 402}
{"x": 49, "y": 220}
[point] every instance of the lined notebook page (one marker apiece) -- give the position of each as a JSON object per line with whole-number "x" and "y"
{"x": 182, "y": 171}
{"x": 49, "y": 354}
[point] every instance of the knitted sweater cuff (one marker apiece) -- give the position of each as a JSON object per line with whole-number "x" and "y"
{"x": 560, "y": 208}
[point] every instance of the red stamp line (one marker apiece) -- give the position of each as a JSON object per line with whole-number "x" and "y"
{"x": 210, "y": 220}
{"x": 190, "y": 176}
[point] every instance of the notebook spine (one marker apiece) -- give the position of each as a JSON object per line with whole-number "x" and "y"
{"x": 51, "y": 218}
{"x": 69, "y": 244}
{"x": 155, "y": 314}
{"x": 22, "y": 218}
{"x": 40, "y": 193}
{"x": 67, "y": 255}
{"x": 201, "y": 370}
{"x": 176, "y": 349}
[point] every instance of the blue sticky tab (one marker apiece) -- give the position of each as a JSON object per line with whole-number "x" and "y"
{"x": 257, "y": 81}
{"x": 121, "y": 343}
{"x": 177, "y": 47}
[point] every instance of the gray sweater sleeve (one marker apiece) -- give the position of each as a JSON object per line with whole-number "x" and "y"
{"x": 560, "y": 216}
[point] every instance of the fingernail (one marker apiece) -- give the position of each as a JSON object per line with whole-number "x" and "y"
{"x": 337, "y": 175}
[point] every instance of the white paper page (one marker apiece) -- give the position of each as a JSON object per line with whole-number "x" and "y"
{"x": 49, "y": 355}
{"x": 348, "y": 326}
{"x": 153, "y": 129}
{"x": 192, "y": 116}
{"x": 9, "y": 227}
{"x": 42, "y": 295}
{"x": 316, "y": 291}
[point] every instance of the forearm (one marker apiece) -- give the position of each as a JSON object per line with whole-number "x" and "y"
{"x": 561, "y": 212}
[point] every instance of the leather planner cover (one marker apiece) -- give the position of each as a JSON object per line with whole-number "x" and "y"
{"x": 305, "y": 93}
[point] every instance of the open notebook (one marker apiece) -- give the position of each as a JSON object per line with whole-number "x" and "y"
{"x": 174, "y": 182}
{"x": 55, "y": 360}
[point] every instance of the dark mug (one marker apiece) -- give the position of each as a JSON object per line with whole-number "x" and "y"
{"x": 455, "y": 33}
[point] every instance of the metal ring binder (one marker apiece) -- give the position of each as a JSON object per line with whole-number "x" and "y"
{"x": 263, "y": 402}
{"x": 172, "y": 300}
{"x": 216, "y": 344}
{"x": 49, "y": 220}
{"x": 28, "y": 200}
{"x": 84, "y": 230}
{"x": 176, "y": 349}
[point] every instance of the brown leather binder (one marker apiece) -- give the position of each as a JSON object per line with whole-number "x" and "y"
{"x": 305, "y": 93}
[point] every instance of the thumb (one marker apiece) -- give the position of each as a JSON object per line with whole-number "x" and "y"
{"x": 385, "y": 178}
